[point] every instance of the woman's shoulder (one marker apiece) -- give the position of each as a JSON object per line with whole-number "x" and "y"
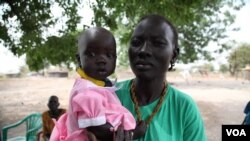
{"x": 124, "y": 84}
{"x": 123, "y": 88}
{"x": 180, "y": 97}
{"x": 185, "y": 103}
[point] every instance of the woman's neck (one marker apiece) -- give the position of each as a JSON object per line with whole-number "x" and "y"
{"x": 148, "y": 91}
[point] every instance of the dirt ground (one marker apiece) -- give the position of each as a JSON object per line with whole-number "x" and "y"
{"x": 220, "y": 100}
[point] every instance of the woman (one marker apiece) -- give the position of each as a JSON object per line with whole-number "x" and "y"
{"x": 163, "y": 112}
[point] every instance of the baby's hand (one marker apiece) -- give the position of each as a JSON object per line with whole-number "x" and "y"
{"x": 122, "y": 135}
{"x": 91, "y": 136}
{"x": 102, "y": 132}
{"x": 140, "y": 130}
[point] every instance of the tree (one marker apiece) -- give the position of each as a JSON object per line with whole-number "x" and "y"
{"x": 223, "y": 68}
{"x": 24, "y": 29}
{"x": 198, "y": 21}
{"x": 31, "y": 18}
{"x": 24, "y": 70}
{"x": 239, "y": 58}
{"x": 56, "y": 50}
{"x": 24, "y": 25}
{"x": 208, "y": 67}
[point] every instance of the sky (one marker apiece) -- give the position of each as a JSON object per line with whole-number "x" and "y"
{"x": 242, "y": 21}
{"x": 11, "y": 64}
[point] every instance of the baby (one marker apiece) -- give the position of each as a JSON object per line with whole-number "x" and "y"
{"x": 93, "y": 101}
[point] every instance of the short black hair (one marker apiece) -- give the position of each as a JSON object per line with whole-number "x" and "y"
{"x": 175, "y": 33}
{"x": 84, "y": 35}
{"x": 53, "y": 96}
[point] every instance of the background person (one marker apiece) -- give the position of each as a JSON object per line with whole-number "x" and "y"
{"x": 246, "y": 120}
{"x": 53, "y": 113}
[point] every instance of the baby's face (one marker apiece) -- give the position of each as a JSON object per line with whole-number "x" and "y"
{"x": 98, "y": 56}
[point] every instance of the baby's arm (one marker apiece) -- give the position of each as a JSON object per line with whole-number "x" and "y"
{"x": 88, "y": 109}
{"x": 102, "y": 132}
{"x": 90, "y": 114}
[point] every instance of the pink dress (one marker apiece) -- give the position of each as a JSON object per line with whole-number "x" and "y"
{"x": 90, "y": 105}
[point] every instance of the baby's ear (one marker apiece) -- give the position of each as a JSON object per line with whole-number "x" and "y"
{"x": 78, "y": 59}
{"x": 77, "y": 56}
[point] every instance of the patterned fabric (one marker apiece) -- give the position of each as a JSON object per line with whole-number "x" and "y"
{"x": 247, "y": 112}
{"x": 247, "y": 119}
{"x": 247, "y": 108}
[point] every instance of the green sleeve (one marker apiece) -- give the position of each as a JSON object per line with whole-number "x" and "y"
{"x": 194, "y": 127}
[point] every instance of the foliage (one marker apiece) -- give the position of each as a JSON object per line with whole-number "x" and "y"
{"x": 197, "y": 21}
{"x": 24, "y": 70}
{"x": 239, "y": 58}
{"x": 24, "y": 25}
{"x": 224, "y": 68}
{"x": 56, "y": 50}
{"x": 207, "y": 67}
{"x": 122, "y": 50}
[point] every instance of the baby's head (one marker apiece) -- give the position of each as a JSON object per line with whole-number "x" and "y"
{"x": 97, "y": 52}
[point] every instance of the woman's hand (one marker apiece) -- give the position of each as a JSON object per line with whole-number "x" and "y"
{"x": 140, "y": 130}
{"x": 122, "y": 135}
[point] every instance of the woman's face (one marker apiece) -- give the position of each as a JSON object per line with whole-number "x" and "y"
{"x": 151, "y": 49}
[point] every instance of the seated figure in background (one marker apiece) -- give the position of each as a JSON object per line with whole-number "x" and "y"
{"x": 247, "y": 112}
{"x": 53, "y": 113}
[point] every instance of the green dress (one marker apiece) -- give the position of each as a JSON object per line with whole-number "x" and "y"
{"x": 177, "y": 120}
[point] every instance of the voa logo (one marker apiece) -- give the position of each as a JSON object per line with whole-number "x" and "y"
{"x": 236, "y": 132}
